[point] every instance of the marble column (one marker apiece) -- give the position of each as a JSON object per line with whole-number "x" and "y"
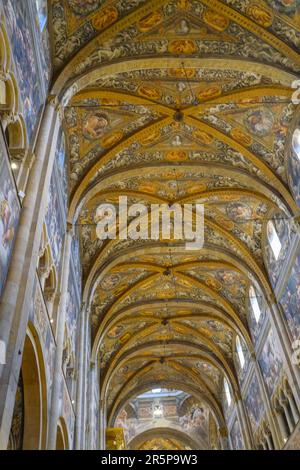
{"x": 293, "y": 406}
{"x": 282, "y": 424}
{"x": 60, "y": 331}
{"x": 284, "y": 403}
{"x": 102, "y": 425}
{"x": 87, "y": 358}
{"x": 16, "y": 301}
{"x": 80, "y": 379}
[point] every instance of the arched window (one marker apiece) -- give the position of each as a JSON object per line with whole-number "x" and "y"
{"x": 41, "y": 7}
{"x": 274, "y": 240}
{"x": 227, "y": 392}
{"x": 240, "y": 352}
{"x": 254, "y": 304}
{"x": 296, "y": 142}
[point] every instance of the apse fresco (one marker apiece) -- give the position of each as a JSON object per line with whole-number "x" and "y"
{"x": 19, "y": 26}
{"x": 270, "y": 362}
{"x": 254, "y": 403}
{"x": 236, "y": 436}
{"x": 290, "y": 300}
{"x": 9, "y": 214}
{"x": 165, "y": 408}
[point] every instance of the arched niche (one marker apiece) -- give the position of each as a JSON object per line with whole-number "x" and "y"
{"x": 35, "y": 393}
{"x": 30, "y": 412}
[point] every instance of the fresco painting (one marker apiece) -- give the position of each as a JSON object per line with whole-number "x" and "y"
{"x": 270, "y": 362}
{"x": 236, "y": 436}
{"x": 294, "y": 166}
{"x": 254, "y": 403}
{"x": 290, "y": 300}
{"x": 55, "y": 221}
{"x": 286, "y": 232}
{"x": 61, "y": 164}
{"x": 9, "y": 214}
{"x": 19, "y": 26}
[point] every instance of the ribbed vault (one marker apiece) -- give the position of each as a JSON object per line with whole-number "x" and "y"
{"x": 162, "y": 315}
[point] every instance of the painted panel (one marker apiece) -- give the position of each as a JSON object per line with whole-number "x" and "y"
{"x": 61, "y": 165}
{"x": 270, "y": 362}
{"x": 42, "y": 325}
{"x": 9, "y": 213}
{"x": 43, "y": 38}
{"x": 20, "y": 31}
{"x": 72, "y": 309}
{"x": 236, "y": 436}
{"x": 55, "y": 220}
{"x": 290, "y": 300}
{"x": 77, "y": 262}
{"x": 286, "y": 232}
{"x": 254, "y": 403}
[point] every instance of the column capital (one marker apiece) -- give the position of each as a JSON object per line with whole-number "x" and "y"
{"x": 52, "y": 100}
{"x": 223, "y": 431}
{"x": 70, "y": 228}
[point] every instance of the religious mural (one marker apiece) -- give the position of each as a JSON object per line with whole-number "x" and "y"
{"x": 41, "y": 13}
{"x": 270, "y": 362}
{"x": 254, "y": 402}
{"x": 9, "y": 214}
{"x": 72, "y": 309}
{"x": 55, "y": 220}
{"x": 285, "y": 231}
{"x": 236, "y": 436}
{"x": 40, "y": 319}
{"x": 165, "y": 408}
{"x": 62, "y": 167}
{"x": 20, "y": 29}
{"x": 290, "y": 300}
{"x": 294, "y": 166}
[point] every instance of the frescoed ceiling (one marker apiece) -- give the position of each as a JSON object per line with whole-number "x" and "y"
{"x": 165, "y": 412}
{"x": 177, "y": 101}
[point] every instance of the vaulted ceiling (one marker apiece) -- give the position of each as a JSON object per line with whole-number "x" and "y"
{"x": 161, "y": 314}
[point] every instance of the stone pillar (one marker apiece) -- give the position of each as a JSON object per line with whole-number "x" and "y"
{"x": 283, "y": 403}
{"x": 102, "y": 425}
{"x": 87, "y": 357}
{"x": 282, "y": 424}
{"x": 223, "y": 434}
{"x": 80, "y": 380}
{"x": 267, "y": 404}
{"x": 269, "y": 441}
{"x": 16, "y": 302}
{"x": 293, "y": 406}
{"x": 90, "y": 403}
{"x": 60, "y": 331}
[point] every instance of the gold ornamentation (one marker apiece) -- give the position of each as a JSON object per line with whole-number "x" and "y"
{"x": 104, "y": 18}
